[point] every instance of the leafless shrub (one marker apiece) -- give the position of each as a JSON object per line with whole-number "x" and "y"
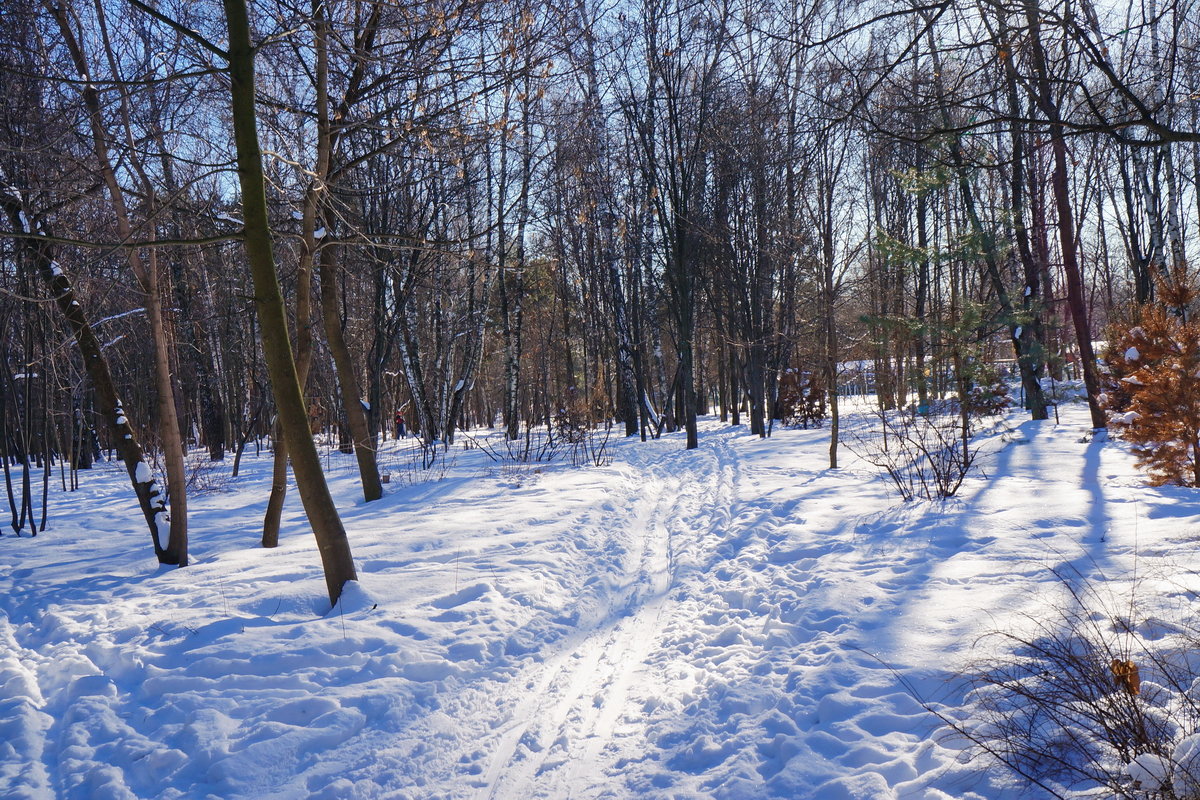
{"x": 414, "y": 461}
{"x": 924, "y": 455}
{"x": 205, "y": 476}
{"x": 571, "y": 436}
{"x": 591, "y": 447}
{"x": 1087, "y": 701}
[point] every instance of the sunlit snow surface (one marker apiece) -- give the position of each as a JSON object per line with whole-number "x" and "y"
{"x": 733, "y": 622}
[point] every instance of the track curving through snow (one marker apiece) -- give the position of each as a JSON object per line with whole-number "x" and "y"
{"x": 735, "y": 622}
{"x": 562, "y": 736}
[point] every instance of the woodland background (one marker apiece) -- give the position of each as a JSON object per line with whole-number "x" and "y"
{"x": 566, "y": 218}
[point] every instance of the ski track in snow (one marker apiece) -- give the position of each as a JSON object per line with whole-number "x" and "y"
{"x": 562, "y": 732}
{"x": 729, "y": 623}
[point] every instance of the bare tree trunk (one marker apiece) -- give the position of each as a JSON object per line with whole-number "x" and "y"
{"x": 168, "y": 421}
{"x": 41, "y": 260}
{"x": 310, "y": 480}
{"x": 920, "y": 335}
{"x": 146, "y": 272}
{"x": 1060, "y": 184}
{"x": 829, "y": 324}
{"x": 1028, "y": 335}
{"x": 364, "y": 442}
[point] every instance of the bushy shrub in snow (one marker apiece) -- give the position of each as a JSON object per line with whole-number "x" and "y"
{"x": 801, "y": 400}
{"x": 990, "y": 398}
{"x": 1153, "y": 391}
{"x": 924, "y": 455}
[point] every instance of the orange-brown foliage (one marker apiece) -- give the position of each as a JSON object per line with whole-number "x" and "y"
{"x": 1155, "y": 380}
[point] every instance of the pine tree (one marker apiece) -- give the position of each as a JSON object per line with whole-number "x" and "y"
{"x": 1155, "y": 381}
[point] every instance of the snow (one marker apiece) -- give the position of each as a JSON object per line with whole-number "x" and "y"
{"x": 731, "y": 622}
{"x": 1150, "y": 772}
{"x": 319, "y": 233}
{"x": 1132, "y": 354}
{"x": 1187, "y": 757}
{"x": 120, "y": 316}
{"x": 142, "y": 473}
{"x": 649, "y": 406}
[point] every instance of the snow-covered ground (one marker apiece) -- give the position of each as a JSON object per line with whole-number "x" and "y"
{"x": 732, "y": 622}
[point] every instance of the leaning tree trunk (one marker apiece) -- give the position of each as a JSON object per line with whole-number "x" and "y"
{"x": 42, "y": 261}
{"x": 360, "y": 432}
{"x": 277, "y": 351}
{"x": 304, "y": 350}
{"x": 145, "y": 270}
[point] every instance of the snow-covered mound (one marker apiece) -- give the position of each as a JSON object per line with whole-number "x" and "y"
{"x": 732, "y": 622}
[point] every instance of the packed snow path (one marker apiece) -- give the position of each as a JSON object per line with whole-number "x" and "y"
{"x": 553, "y": 731}
{"x": 732, "y": 622}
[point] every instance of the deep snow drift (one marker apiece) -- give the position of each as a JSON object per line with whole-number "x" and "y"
{"x": 732, "y": 622}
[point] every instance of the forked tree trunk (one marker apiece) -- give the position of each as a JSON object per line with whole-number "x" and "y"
{"x": 281, "y": 368}
{"x": 304, "y": 349}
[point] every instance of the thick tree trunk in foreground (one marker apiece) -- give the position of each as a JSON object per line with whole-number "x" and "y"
{"x": 293, "y": 418}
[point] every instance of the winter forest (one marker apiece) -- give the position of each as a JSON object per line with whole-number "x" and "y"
{"x": 645, "y": 399}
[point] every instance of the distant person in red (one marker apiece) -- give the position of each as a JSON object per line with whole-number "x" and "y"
{"x": 400, "y": 432}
